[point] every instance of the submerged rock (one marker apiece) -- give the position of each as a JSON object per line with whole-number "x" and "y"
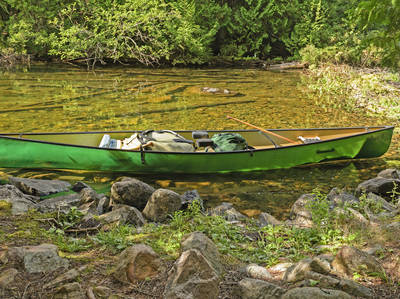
{"x": 38, "y": 187}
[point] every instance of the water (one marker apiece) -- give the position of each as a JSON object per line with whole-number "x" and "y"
{"x": 66, "y": 99}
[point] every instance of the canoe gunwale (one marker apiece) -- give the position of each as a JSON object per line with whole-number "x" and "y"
{"x": 380, "y": 128}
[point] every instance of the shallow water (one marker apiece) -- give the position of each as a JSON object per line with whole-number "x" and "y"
{"x": 61, "y": 98}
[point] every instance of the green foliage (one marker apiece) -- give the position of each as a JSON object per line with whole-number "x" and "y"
{"x": 255, "y": 26}
{"x": 116, "y": 239}
{"x": 381, "y": 23}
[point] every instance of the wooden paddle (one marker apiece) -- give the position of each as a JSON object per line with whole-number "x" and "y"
{"x": 261, "y": 129}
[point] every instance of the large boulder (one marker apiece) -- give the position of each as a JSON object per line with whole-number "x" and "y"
{"x": 189, "y": 197}
{"x": 192, "y": 277}
{"x": 300, "y": 214}
{"x": 315, "y": 293}
{"x": 349, "y": 260}
{"x": 131, "y": 192}
{"x": 38, "y": 259}
{"x": 390, "y": 173}
{"x": 137, "y": 263}
{"x": 162, "y": 204}
{"x": 38, "y": 187}
{"x": 62, "y": 203}
{"x": 20, "y": 202}
{"x": 379, "y": 185}
{"x": 123, "y": 215}
{"x": 199, "y": 241}
{"x": 250, "y": 288}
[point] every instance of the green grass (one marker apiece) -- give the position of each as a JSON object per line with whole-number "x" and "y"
{"x": 340, "y": 86}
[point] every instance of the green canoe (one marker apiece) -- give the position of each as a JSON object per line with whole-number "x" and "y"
{"x": 81, "y": 151}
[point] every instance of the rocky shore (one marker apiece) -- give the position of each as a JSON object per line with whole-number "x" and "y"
{"x": 59, "y": 240}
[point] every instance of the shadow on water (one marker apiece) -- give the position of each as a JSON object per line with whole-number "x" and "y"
{"x": 70, "y": 99}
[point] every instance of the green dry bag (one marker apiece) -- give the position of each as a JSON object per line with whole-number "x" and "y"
{"x": 228, "y": 142}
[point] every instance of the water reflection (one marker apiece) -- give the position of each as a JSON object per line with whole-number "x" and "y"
{"x": 70, "y": 99}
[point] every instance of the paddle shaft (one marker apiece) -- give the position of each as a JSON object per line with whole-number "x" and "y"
{"x": 261, "y": 129}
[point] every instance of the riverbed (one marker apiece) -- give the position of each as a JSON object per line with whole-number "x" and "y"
{"x": 61, "y": 98}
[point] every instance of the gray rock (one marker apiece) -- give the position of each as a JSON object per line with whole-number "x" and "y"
{"x": 131, "y": 192}
{"x": 267, "y": 219}
{"x": 380, "y": 200}
{"x": 122, "y": 215}
{"x": 355, "y": 289}
{"x": 350, "y": 259}
{"x": 390, "y": 173}
{"x": 89, "y": 195}
{"x": 302, "y": 269}
{"x": 20, "y": 202}
{"x": 378, "y": 185}
{"x": 137, "y": 263}
{"x": 103, "y": 205}
{"x": 315, "y": 293}
{"x": 68, "y": 276}
{"x": 300, "y": 214}
{"x": 38, "y": 259}
{"x": 393, "y": 226}
{"x": 78, "y": 186}
{"x": 257, "y": 272}
{"x": 339, "y": 197}
{"x": 102, "y": 292}
{"x": 192, "y": 277}
{"x": 69, "y": 291}
{"x": 199, "y": 241}
{"x": 7, "y": 277}
{"x": 162, "y": 204}
{"x": 190, "y": 196}
{"x": 39, "y": 187}
{"x": 280, "y": 268}
{"x": 258, "y": 289}
{"x": 227, "y": 211}
{"x": 62, "y": 203}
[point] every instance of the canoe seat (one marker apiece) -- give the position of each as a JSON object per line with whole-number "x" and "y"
{"x": 204, "y": 142}
{"x": 200, "y": 134}
{"x": 307, "y": 140}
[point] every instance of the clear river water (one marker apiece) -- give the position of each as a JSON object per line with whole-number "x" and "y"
{"x": 61, "y": 98}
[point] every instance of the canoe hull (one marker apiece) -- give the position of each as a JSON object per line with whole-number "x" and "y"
{"x": 25, "y": 153}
